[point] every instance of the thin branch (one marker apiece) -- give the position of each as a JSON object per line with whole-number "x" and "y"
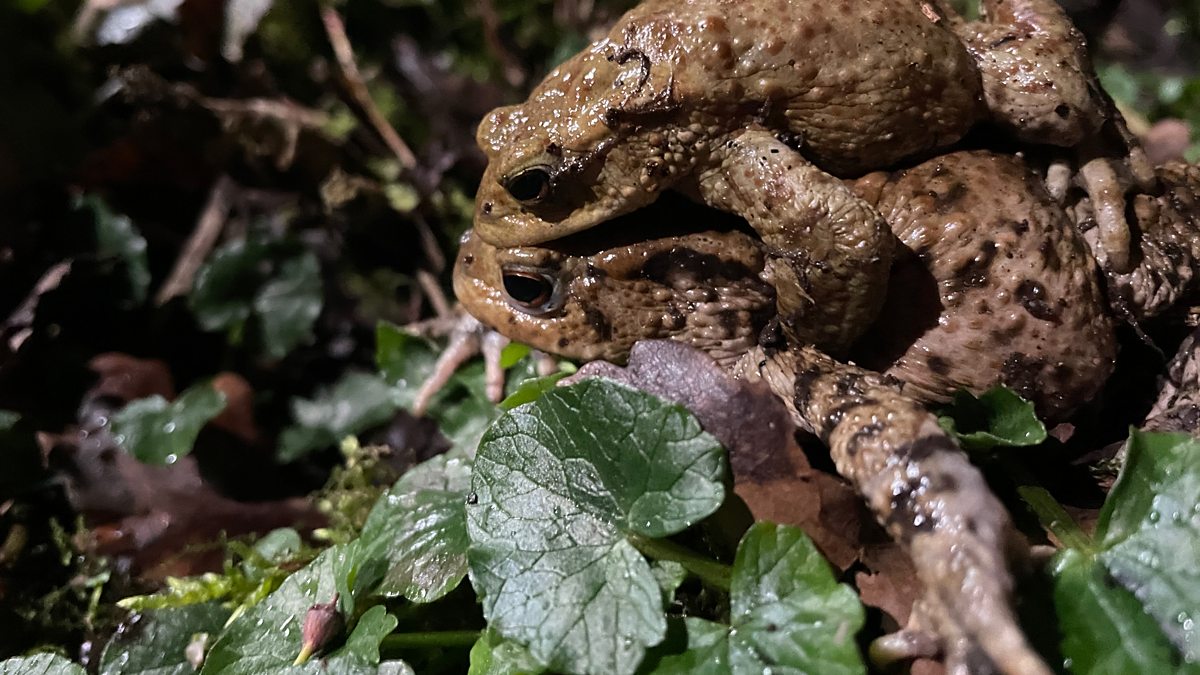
{"x": 357, "y": 88}
{"x": 514, "y": 74}
{"x": 202, "y": 240}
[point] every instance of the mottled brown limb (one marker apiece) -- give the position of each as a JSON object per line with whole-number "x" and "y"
{"x": 924, "y": 491}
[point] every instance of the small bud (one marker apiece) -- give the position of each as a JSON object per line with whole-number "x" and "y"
{"x": 322, "y": 623}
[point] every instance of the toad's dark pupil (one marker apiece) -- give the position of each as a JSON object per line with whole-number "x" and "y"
{"x": 530, "y": 185}
{"x": 528, "y": 289}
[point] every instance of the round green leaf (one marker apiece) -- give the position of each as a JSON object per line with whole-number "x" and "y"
{"x": 558, "y": 485}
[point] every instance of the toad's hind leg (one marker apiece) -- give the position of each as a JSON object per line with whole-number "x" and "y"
{"x": 924, "y": 491}
{"x": 829, "y": 251}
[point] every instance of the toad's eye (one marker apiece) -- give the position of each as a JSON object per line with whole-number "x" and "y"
{"x": 529, "y": 186}
{"x": 529, "y": 291}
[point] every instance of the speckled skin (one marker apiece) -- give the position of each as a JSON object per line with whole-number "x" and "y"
{"x": 974, "y": 300}
{"x": 1040, "y": 85}
{"x": 924, "y": 491}
{"x": 693, "y": 94}
{"x": 750, "y": 106}
{"x": 993, "y": 285}
{"x": 703, "y": 288}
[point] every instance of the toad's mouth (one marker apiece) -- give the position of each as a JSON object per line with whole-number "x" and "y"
{"x": 671, "y": 215}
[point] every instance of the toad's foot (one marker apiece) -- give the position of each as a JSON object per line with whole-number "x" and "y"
{"x": 924, "y": 491}
{"x": 830, "y": 251}
{"x": 467, "y": 338}
{"x": 1166, "y": 275}
{"x": 1039, "y": 83}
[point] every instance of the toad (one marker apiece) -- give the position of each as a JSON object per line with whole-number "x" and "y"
{"x": 753, "y": 108}
{"x": 993, "y": 285}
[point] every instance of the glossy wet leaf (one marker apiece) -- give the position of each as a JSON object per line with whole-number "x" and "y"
{"x": 997, "y": 418}
{"x": 420, "y": 527}
{"x": 156, "y": 644}
{"x": 1149, "y": 533}
{"x": 357, "y": 402}
{"x": 288, "y": 304}
{"x": 558, "y": 485}
{"x": 267, "y": 637}
{"x": 1104, "y": 627}
{"x": 40, "y": 664}
{"x": 787, "y": 614}
{"x": 158, "y": 432}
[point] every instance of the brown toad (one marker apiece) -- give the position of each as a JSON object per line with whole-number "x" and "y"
{"x": 748, "y": 106}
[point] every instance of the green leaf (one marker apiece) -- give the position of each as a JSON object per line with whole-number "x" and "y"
{"x": 158, "y": 432}
{"x": 997, "y": 418}
{"x": 559, "y": 485}
{"x": 531, "y": 389}
{"x": 117, "y": 237}
{"x": 160, "y": 638}
{"x": 40, "y": 664}
{"x": 288, "y": 304}
{"x": 223, "y": 293}
{"x": 356, "y": 403}
{"x": 493, "y": 655}
{"x": 420, "y": 527}
{"x": 1149, "y": 533}
{"x": 1104, "y": 627}
{"x": 267, "y": 637}
{"x": 787, "y": 612}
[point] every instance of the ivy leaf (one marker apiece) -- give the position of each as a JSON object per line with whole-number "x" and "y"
{"x": 998, "y": 418}
{"x": 157, "y": 432}
{"x": 41, "y": 664}
{"x": 289, "y": 304}
{"x": 267, "y": 637}
{"x": 161, "y": 638}
{"x": 559, "y": 485}
{"x": 223, "y": 293}
{"x": 786, "y": 611}
{"x": 1149, "y": 533}
{"x": 117, "y": 237}
{"x": 357, "y": 402}
{"x": 420, "y": 526}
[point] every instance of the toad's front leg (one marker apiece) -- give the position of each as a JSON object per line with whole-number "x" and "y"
{"x": 924, "y": 491}
{"x": 829, "y": 251}
{"x": 1039, "y": 83}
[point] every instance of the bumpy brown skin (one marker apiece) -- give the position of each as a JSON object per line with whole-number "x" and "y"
{"x": 992, "y": 285}
{"x": 692, "y": 95}
{"x": 1040, "y": 85}
{"x": 704, "y": 288}
{"x": 924, "y": 490}
{"x": 1166, "y": 271}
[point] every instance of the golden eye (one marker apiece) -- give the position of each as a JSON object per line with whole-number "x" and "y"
{"x": 530, "y": 186}
{"x": 528, "y": 290}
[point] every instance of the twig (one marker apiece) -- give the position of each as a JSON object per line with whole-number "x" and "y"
{"x": 357, "y": 88}
{"x": 204, "y": 236}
